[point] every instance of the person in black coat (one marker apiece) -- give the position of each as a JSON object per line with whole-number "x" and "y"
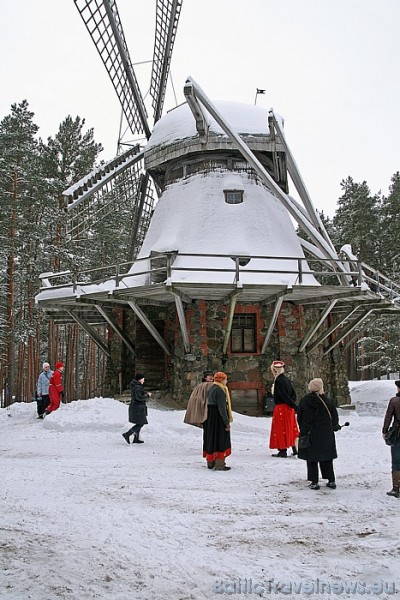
{"x": 137, "y": 409}
{"x": 318, "y": 417}
{"x": 392, "y": 416}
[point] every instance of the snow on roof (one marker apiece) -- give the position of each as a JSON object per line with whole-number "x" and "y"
{"x": 192, "y": 217}
{"x": 179, "y": 123}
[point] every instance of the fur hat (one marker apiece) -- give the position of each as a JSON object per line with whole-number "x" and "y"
{"x": 220, "y": 376}
{"x": 316, "y": 385}
{"x": 277, "y": 367}
{"x": 59, "y": 365}
{"x": 45, "y": 364}
{"x": 139, "y": 376}
{"x": 278, "y": 364}
{"x": 206, "y": 373}
{"x": 397, "y": 383}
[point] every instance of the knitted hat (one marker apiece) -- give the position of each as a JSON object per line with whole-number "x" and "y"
{"x": 139, "y": 376}
{"x": 397, "y": 383}
{"x": 59, "y": 365}
{"x": 316, "y": 385}
{"x": 46, "y": 364}
{"x": 220, "y": 376}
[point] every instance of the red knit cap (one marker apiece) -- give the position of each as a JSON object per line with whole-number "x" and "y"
{"x": 59, "y": 365}
{"x": 220, "y": 376}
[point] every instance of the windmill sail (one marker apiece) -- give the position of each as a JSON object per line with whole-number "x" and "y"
{"x": 104, "y": 26}
{"x": 167, "y": 17}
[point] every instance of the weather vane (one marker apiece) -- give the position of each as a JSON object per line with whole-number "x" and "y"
{"x": 258, "y": 91}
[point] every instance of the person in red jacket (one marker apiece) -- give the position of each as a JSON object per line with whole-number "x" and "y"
{"x": 56, "y": 389}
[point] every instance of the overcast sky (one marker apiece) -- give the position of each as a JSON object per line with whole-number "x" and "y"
{"x": 329, "y": 67}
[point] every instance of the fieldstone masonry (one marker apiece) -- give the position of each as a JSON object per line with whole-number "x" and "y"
{"x": 249, "y": 375}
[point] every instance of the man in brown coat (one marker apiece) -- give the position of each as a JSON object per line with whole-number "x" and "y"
{"x": 196, "y": 411}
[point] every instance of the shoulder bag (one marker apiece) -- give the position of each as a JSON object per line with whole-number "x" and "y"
{"x": 392, "y": 435}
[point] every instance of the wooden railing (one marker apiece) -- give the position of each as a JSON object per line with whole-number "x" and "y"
{"x": 329, "y": 268}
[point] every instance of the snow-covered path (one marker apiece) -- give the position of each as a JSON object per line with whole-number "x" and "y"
{"x": 84, "y": 515}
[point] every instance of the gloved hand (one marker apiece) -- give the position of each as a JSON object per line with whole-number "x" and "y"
{"x": 63, "y": 394}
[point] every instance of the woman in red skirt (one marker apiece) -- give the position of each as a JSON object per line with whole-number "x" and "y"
{"x": 284, "y": 429}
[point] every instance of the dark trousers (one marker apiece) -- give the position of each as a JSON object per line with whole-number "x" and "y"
{"x": 135, "y": 429}
{"x": 42, "y": 404}
{"x": 395, "y": 452}
{"x": 326, "y": 467}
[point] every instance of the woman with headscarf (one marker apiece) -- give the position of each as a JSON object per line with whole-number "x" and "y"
{"x": 216, "y": 428}
{"x": 284, "y": 430}
{"x": 393, "y": 413}
{"x": 318, "y": 418}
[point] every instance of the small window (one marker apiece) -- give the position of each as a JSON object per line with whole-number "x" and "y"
{"x": 243, "y": 336}
{"x": 233, "y": 196}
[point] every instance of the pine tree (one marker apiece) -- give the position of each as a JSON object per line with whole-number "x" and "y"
{"x": 18, "y": 190}
{"x": 357, "y": 221}
{"x": 67, "y": 157}
{"x": 390, "y": 229}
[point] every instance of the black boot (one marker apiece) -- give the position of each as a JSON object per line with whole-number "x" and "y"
{"x": 281, "y": 454}
{"x": 395, "y": 491}
{"x": 294, "y": 451}
{"x": 126, "y": 437}
{"x": 137, "y": 440}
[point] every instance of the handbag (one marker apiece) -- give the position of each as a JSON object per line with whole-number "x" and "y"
{"x": 304, "y": 441}
{"x": 391, "y": 436}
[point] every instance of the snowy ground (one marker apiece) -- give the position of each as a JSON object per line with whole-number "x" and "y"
{"x": 83, "y": 515}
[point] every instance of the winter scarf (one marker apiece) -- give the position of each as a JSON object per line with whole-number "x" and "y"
{"x": 228, "y": 400}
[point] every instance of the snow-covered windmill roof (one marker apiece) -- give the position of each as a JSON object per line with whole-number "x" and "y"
{"x": 179, "y": 123}
{"x": 192, "y": 217}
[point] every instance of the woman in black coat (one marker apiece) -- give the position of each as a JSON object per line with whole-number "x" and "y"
{"x": 392, "y": 416}
{"x": 318, "y": 417}
{"x": 137, "y": 409}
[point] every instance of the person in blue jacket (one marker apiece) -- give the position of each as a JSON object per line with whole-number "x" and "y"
{"x": 42, "y": 390}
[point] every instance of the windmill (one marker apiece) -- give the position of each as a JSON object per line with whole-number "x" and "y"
{"x": 218, "y": 254}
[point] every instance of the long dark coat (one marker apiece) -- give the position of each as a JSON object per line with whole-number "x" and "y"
{"x": 137, "y": 407}
{"x": 284, "y": 392}
{"x": 313, "y": 418}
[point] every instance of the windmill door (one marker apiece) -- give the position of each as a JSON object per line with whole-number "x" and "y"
{"x": 150, "y": 357}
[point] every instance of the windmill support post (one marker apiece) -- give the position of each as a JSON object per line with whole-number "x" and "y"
{"x": 271, "y": 326}
{"x": 91, "y": 332}
{"x": 232, "y": 303}
{"x": 317, "y": 325}
{"x": 182, "y": 320}
{"x": 333, "y": 328}
{"x": 117, "y": 329}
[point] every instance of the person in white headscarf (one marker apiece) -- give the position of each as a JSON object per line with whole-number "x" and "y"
{"x": 42, "y": 390}
{"x": 318, "y": 418}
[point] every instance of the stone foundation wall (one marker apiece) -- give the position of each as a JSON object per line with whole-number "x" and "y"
{"x": 249, "y": 374}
